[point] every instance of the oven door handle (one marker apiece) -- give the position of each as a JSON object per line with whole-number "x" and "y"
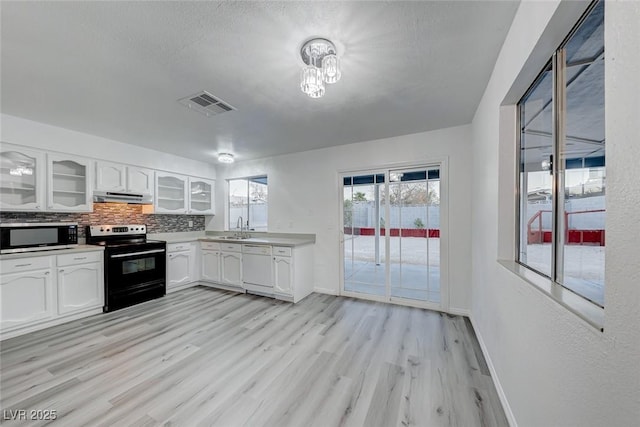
{"x": 153, "y": 251}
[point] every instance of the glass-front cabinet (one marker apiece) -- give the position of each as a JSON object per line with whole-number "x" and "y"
{"x": 22, "y": 180}
{"x": 171, "y": 194}
{"x": 200, "y": 196}
{"x": 69, "y": 183}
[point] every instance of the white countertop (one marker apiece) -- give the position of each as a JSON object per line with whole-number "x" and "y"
{"x": 189, "y": 236}
{"x": 79, "y": 248}
{"x": 266, "y": 240}
{"x": 258, "y": 238}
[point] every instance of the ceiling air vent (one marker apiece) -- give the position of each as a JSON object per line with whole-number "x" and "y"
{"x": 206, "y": 104}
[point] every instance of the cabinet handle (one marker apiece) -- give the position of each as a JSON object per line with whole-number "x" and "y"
{"x": 79, "y": 258}
{"x": 23, "y": 265}
{"x": 37, "y": 206}
{"x": 61, "y": 271}
{"x": 46, "y": 273}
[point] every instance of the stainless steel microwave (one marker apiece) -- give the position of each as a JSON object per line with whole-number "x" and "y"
{"x": 32, "y": 236}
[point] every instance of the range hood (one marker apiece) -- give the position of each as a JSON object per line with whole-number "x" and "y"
{"x": 122, "y": 197}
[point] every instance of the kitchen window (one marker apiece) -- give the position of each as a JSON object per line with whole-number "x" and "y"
{"x": 562, "y": 172}
{"x": 248, "y": 203}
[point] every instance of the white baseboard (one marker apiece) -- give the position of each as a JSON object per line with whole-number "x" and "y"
{"x": 494, "y": 376}
{"x": 459, "y": 311}
{"x": 325, "y": 291}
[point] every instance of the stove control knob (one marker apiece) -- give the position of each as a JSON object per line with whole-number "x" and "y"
{"x": 108, "y": 229}
{"x": 102, "y": 229}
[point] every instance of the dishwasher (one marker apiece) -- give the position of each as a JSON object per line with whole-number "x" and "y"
{"x": 257, "y": 269}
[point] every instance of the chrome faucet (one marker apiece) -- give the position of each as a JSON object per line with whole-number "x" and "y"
{"x": 242, "y": 234}
{"x": 239, "y": 224}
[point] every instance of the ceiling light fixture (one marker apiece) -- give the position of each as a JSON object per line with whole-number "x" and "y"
{"x": 225, "y": 158}
{"x": 321, "y": 66}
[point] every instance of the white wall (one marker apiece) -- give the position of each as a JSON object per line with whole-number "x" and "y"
{"x": 304, "y": 196}
{"x": 21, "y": 131}
{"x": 554, "y": 368}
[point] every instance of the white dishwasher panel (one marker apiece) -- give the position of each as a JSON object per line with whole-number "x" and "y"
{"x": 257, "y": 268}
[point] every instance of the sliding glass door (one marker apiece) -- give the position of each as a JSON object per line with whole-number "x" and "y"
{"x": 364, "y": 250}
{"x": 391, "y": 234}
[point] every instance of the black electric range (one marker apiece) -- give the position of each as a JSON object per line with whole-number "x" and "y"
{"x": 134, "y": 267}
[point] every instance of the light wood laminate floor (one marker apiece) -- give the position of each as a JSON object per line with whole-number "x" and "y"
{"x": 208, "y": 357}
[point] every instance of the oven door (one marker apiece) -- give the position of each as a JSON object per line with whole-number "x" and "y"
{"x": 135, "y": 276}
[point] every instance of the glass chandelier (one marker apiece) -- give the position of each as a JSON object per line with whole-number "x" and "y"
{"x": 321, "y": 66}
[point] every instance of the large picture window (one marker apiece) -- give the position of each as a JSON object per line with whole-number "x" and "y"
{"x": 248, "y": 203}
{"x": 562, "y": 174}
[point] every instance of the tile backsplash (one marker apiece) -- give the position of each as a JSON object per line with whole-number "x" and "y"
{"x": 113, "y": 213}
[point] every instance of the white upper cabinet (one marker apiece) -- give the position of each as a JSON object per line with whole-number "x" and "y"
{"x": 118, "y": 177}
{"x": 171, "y": 193}
{"x": 22, "y": 179}
{"x": 69, "y": 183}
{"x": 140, "y": 180}
{"x": 111, "y": 176}
{"x": 201, "y": 196}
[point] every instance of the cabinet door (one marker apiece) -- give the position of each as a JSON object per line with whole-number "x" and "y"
{"x": 22, "y": 179}
{"x": 140, "y": 180}
{"x": 69, "y": 183}
{"x": 179, "y": 268}
{"x": 110, "y": 176}
{"x": 25, "y": 297}
{"x": 211, "y": 266}
{"x": 171, "y": 193}
{"x": 283, "y": 275}
{"x": 201, "y": 196}
{"x": 80, "y": 287}
{"x": 231, "y": 268}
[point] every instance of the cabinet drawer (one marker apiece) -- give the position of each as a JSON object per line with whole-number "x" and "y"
{"x": 210, "y": 245}
{"x": 256, "y": 249}
{"x": 26, "y": 264}
{"x": 231, "y": 247}
{"x": 176, "y": 247}
{"x": 79, "y": 258}
{"x": 282, "y": 250}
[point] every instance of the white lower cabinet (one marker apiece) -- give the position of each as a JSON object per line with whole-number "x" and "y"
{"x": 179, "y": 269}
{"x": 288, "y": 276}
{"x": 41, "y": 291}
{"x": 283, "y": 275}
{"x": 182, "y": 264}
{"x": 221, "y": 265}
{"x": 80, "y": 287}
{"x": 231, "y": 270}
{"x": 230, "y": 264}
{"x": 210, "y": 265}
{"x": 27, "y": 298}
{"x": 292, "y": 272}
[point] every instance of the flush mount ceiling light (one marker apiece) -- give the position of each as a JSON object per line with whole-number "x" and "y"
{"x": 225, "y": 158}
{"x": 321, "y": 66}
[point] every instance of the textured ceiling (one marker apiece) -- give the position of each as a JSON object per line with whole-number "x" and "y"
{"x": 117, "y": 69}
